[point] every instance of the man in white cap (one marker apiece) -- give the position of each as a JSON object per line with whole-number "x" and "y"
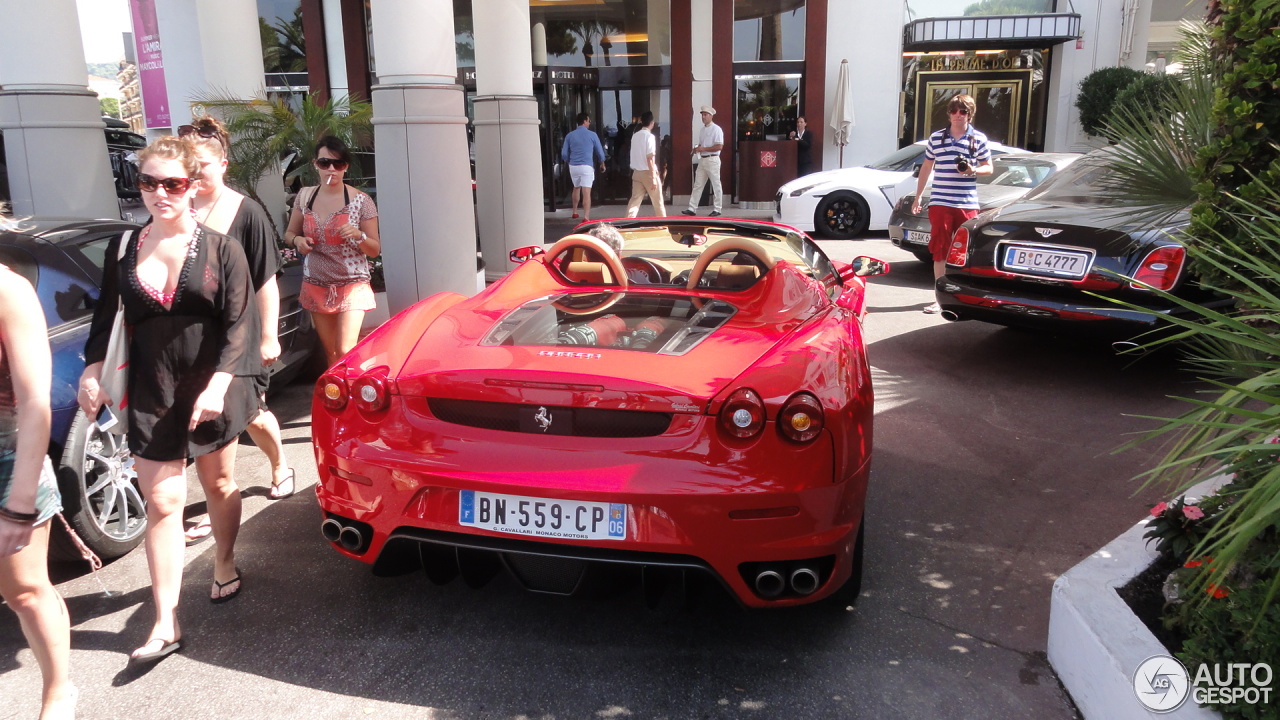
{"x": 710, "y": 143}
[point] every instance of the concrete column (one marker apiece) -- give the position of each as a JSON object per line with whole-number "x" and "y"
{"x": 336, "y": 48}
{"x": 426, "y": 218}
{"x": 508, "y": 153}
{"x": 211, "y": 47}
{"x": 55, "y": 148}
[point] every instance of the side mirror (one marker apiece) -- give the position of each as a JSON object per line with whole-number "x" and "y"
{"x": 521, "y": 254}
{"x": 864, "y": 266}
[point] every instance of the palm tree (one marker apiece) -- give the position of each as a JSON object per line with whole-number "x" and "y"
{"x": 270, "y": 135}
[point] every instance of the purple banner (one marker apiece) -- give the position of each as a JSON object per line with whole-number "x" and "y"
{"x": 146, "y": 35}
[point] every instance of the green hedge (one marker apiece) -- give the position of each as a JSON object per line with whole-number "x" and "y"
{"x": 1242, "y": 158}
{"x": 1098, "y": 93}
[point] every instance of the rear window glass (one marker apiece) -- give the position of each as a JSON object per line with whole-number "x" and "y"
{"x": 642, "y": 322}
{"x": 1080, "y": 183}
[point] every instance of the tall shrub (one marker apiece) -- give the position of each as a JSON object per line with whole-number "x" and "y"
{"x": 1098, "y": 93}
{"x": 1242, "y": 160}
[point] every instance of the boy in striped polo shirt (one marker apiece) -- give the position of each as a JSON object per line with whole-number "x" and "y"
{"x": 959, "y": 154}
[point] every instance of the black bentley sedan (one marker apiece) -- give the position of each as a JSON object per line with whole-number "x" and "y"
{"x": 63, "y": 259}
{"x": 1052, "y": 259}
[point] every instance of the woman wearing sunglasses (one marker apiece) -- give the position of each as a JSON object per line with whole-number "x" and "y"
{"x": 222, "y": 209}
{"x": 336, "y": 227}
{"x": 193, "y": 354}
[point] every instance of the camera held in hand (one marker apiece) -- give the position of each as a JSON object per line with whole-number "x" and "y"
{"x": 962, "y": 165}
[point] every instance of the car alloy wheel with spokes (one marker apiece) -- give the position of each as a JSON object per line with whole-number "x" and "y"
{"x": 100, "y": 494}
{"x": 842, "y": 215}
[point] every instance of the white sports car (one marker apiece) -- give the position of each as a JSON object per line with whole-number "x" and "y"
{"x": 845, "y": 203}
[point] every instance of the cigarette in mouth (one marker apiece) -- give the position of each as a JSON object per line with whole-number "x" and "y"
{"x": 328, "y": 180}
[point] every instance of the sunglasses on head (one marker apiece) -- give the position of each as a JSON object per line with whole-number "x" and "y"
{"x": 326, "y": 163}
{"x": 173, "y": 185}
{"x": 961, "y": 110}
{"x": 206, "y": 132}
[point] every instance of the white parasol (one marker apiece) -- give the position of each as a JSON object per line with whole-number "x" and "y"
{"x": 842, "y": 110}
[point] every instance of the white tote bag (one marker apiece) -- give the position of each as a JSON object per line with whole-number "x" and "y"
{"x": 115, "y": 366}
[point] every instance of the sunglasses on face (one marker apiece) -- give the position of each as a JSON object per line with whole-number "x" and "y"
{"x": 326, "y": 163}
{"x": 173, "y": 185}
{"x": 961, "y": 110}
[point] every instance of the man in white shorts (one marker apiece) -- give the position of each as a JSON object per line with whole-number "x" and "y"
{"x": 581, "y": 146}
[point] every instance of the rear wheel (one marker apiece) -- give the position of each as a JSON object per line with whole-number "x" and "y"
{"x": 100, "y": 494}
{"x": 842, "y": 216}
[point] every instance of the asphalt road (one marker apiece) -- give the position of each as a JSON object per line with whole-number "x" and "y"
{"x": 993, "y": 474}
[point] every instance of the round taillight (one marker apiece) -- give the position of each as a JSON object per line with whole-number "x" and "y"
{"x": 370, "y": 393}
{"x": 801, "y": 418}
{"x": 332, "y": 390}
{"x": 743, "y": 414}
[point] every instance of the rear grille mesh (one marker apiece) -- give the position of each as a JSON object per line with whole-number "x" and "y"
{"x": 550, "y": 419}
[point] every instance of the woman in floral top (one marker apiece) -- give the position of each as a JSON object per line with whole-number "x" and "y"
{"x": 335, "y": 227}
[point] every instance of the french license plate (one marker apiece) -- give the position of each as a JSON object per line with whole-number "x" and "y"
{"x": 543, "y": 517}
{"x": 1049, "y": 263}
{"x": 915, "y": 237}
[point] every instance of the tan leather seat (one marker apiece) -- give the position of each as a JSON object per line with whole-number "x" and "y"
{"x": 589, "y": 273}
{"x": 736, "y": 277}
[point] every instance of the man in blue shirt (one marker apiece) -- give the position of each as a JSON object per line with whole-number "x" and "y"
{"x": 581, "y": 146}
{"x": 959, "y": 154}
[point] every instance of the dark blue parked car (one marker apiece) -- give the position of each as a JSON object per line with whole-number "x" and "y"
{"x": 63, "y": 259}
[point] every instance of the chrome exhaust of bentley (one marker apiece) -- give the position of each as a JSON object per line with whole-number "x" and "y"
{"x": 804, "y": 580}
{"x": 951, "y": 316}
{"x": 331, "y": 530}
{"x": 350, "y": 539}
{"x": 770, "y": 584}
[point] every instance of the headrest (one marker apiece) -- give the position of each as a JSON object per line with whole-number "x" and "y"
{"x": 588, "y": 273}
{"x": 736, "y": 277}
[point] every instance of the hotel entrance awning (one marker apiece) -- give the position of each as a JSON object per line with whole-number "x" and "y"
{"x": 994, "y": 32}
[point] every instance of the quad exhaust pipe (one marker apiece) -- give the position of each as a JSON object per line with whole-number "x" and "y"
{"x": 346, "y": 536}
{"x": 773, "y": 581}
{"x": 769, "y": 583}
{"x": 804, "y": 580}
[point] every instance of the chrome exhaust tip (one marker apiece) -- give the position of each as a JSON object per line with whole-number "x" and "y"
{"x": 804, "y": 580}
{"x": 769, "y": 583}
{"x": 951, "y": 316}
{"x": 350, "y": 539}
{"x": 1126, "y": 347}
{"x": 331, "y": 530}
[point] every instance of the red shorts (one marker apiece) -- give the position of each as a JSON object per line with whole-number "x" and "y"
{"x": 944, "y": 220}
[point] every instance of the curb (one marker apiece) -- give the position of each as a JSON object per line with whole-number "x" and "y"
{"x": 1095, "y": 640}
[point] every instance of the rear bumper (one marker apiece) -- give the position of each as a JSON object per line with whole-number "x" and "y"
{"x": 960, "y": 297}
{"x": 679, "y": 500}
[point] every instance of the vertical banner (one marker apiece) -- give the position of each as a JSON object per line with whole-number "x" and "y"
{"x": 146, "y": 37}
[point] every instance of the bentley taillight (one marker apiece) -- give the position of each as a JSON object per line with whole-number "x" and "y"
{"x": 1161, "y": 267}
{"x": 801, "y": 418}
{"x": 958, "y": 251}
{"x": 743, "y": 414}
{"x": 332, "y": 390}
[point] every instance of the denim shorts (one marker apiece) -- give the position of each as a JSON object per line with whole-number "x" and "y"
{"x": 48, "y": 499}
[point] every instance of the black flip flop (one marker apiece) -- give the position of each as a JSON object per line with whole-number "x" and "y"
{"x": 167, "y": 647}
{"x": 231, "y": 595}
{"x": 289, "y": 481}
{"x": 198, "y": 533}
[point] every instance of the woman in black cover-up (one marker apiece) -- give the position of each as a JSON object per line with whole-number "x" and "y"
{"x": 193, "y": 355}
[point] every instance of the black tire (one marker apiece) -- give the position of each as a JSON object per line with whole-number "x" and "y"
{"x": 100, "y": 495}
{"x": 923, "y": 256}
{"x": 842, "y": 216}
{"x": 848, "y": 593}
